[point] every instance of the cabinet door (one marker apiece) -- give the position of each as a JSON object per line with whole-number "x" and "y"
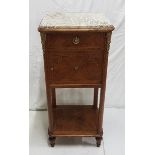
{"x": 74, "y": 67}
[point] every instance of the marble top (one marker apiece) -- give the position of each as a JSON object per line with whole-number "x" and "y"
{"x": 56, "y": 21}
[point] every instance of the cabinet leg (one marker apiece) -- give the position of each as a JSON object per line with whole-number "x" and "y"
{"x": 52, "y": 141}
{"x": 95, "y": 97}
{"x": 53, "y": 97}
{"x": 98, "y": 141}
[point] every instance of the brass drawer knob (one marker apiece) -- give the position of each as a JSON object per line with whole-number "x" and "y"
{"x": 76, "y": 68}
{"x": 76, "y": 40}
{"x": 52, "y": 68}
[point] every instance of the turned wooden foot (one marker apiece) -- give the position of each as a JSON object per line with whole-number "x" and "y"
{"x": 52, "y": 141}
{"x": 98, "y": 141}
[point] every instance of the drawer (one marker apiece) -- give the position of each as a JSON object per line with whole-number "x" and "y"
{"x": 74, "y": 40}
{"x": 74, "y": 68}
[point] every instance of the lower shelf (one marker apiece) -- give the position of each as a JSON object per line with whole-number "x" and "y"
{"x": 75, "y": 120}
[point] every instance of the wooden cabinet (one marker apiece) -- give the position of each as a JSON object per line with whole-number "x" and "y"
{"x": 75, "y": 56}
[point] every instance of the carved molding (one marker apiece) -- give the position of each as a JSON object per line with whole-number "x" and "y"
{"x": 80, "y": 28}
{"x": 108, "y": 40}
{"x": 43, "y": 40}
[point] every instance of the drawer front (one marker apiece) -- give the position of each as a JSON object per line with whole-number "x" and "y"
{"x": 74, "y": 68}
{"x": 74, "y": 40}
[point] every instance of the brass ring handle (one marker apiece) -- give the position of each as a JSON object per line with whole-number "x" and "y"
{"x": 76, "y": 40}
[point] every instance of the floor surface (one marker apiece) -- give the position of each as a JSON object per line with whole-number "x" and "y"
{"x": 113, "y": 140}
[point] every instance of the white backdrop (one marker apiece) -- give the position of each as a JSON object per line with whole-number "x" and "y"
{"x": 115, "y": 91}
